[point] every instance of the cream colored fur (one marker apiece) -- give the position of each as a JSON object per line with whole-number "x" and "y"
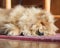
{"x": 28, "y": 20}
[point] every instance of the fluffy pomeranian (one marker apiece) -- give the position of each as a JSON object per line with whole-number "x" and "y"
{"x": 26, "y": 21}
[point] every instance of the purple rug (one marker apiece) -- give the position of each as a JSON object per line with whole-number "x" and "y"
{"x": 55, "y": 38}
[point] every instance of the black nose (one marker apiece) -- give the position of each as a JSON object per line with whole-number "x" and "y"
{"x": 21, "y": 34}
{"x": 39, "y": 33}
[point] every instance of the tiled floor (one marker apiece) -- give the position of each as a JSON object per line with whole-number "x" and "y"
{"x": 27, "y": 44}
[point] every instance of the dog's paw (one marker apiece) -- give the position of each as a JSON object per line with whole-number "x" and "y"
{"x": 3, "y": 31}
{"x": 12, "y": 33}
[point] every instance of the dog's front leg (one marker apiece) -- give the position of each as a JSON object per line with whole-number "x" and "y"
{"x": 13, "y": 29}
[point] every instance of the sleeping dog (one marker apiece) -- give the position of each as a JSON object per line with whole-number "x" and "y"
{"x": 27, "y": 21}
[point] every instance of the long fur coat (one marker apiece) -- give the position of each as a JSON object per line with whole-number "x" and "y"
{"x": 27, "y": 21}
